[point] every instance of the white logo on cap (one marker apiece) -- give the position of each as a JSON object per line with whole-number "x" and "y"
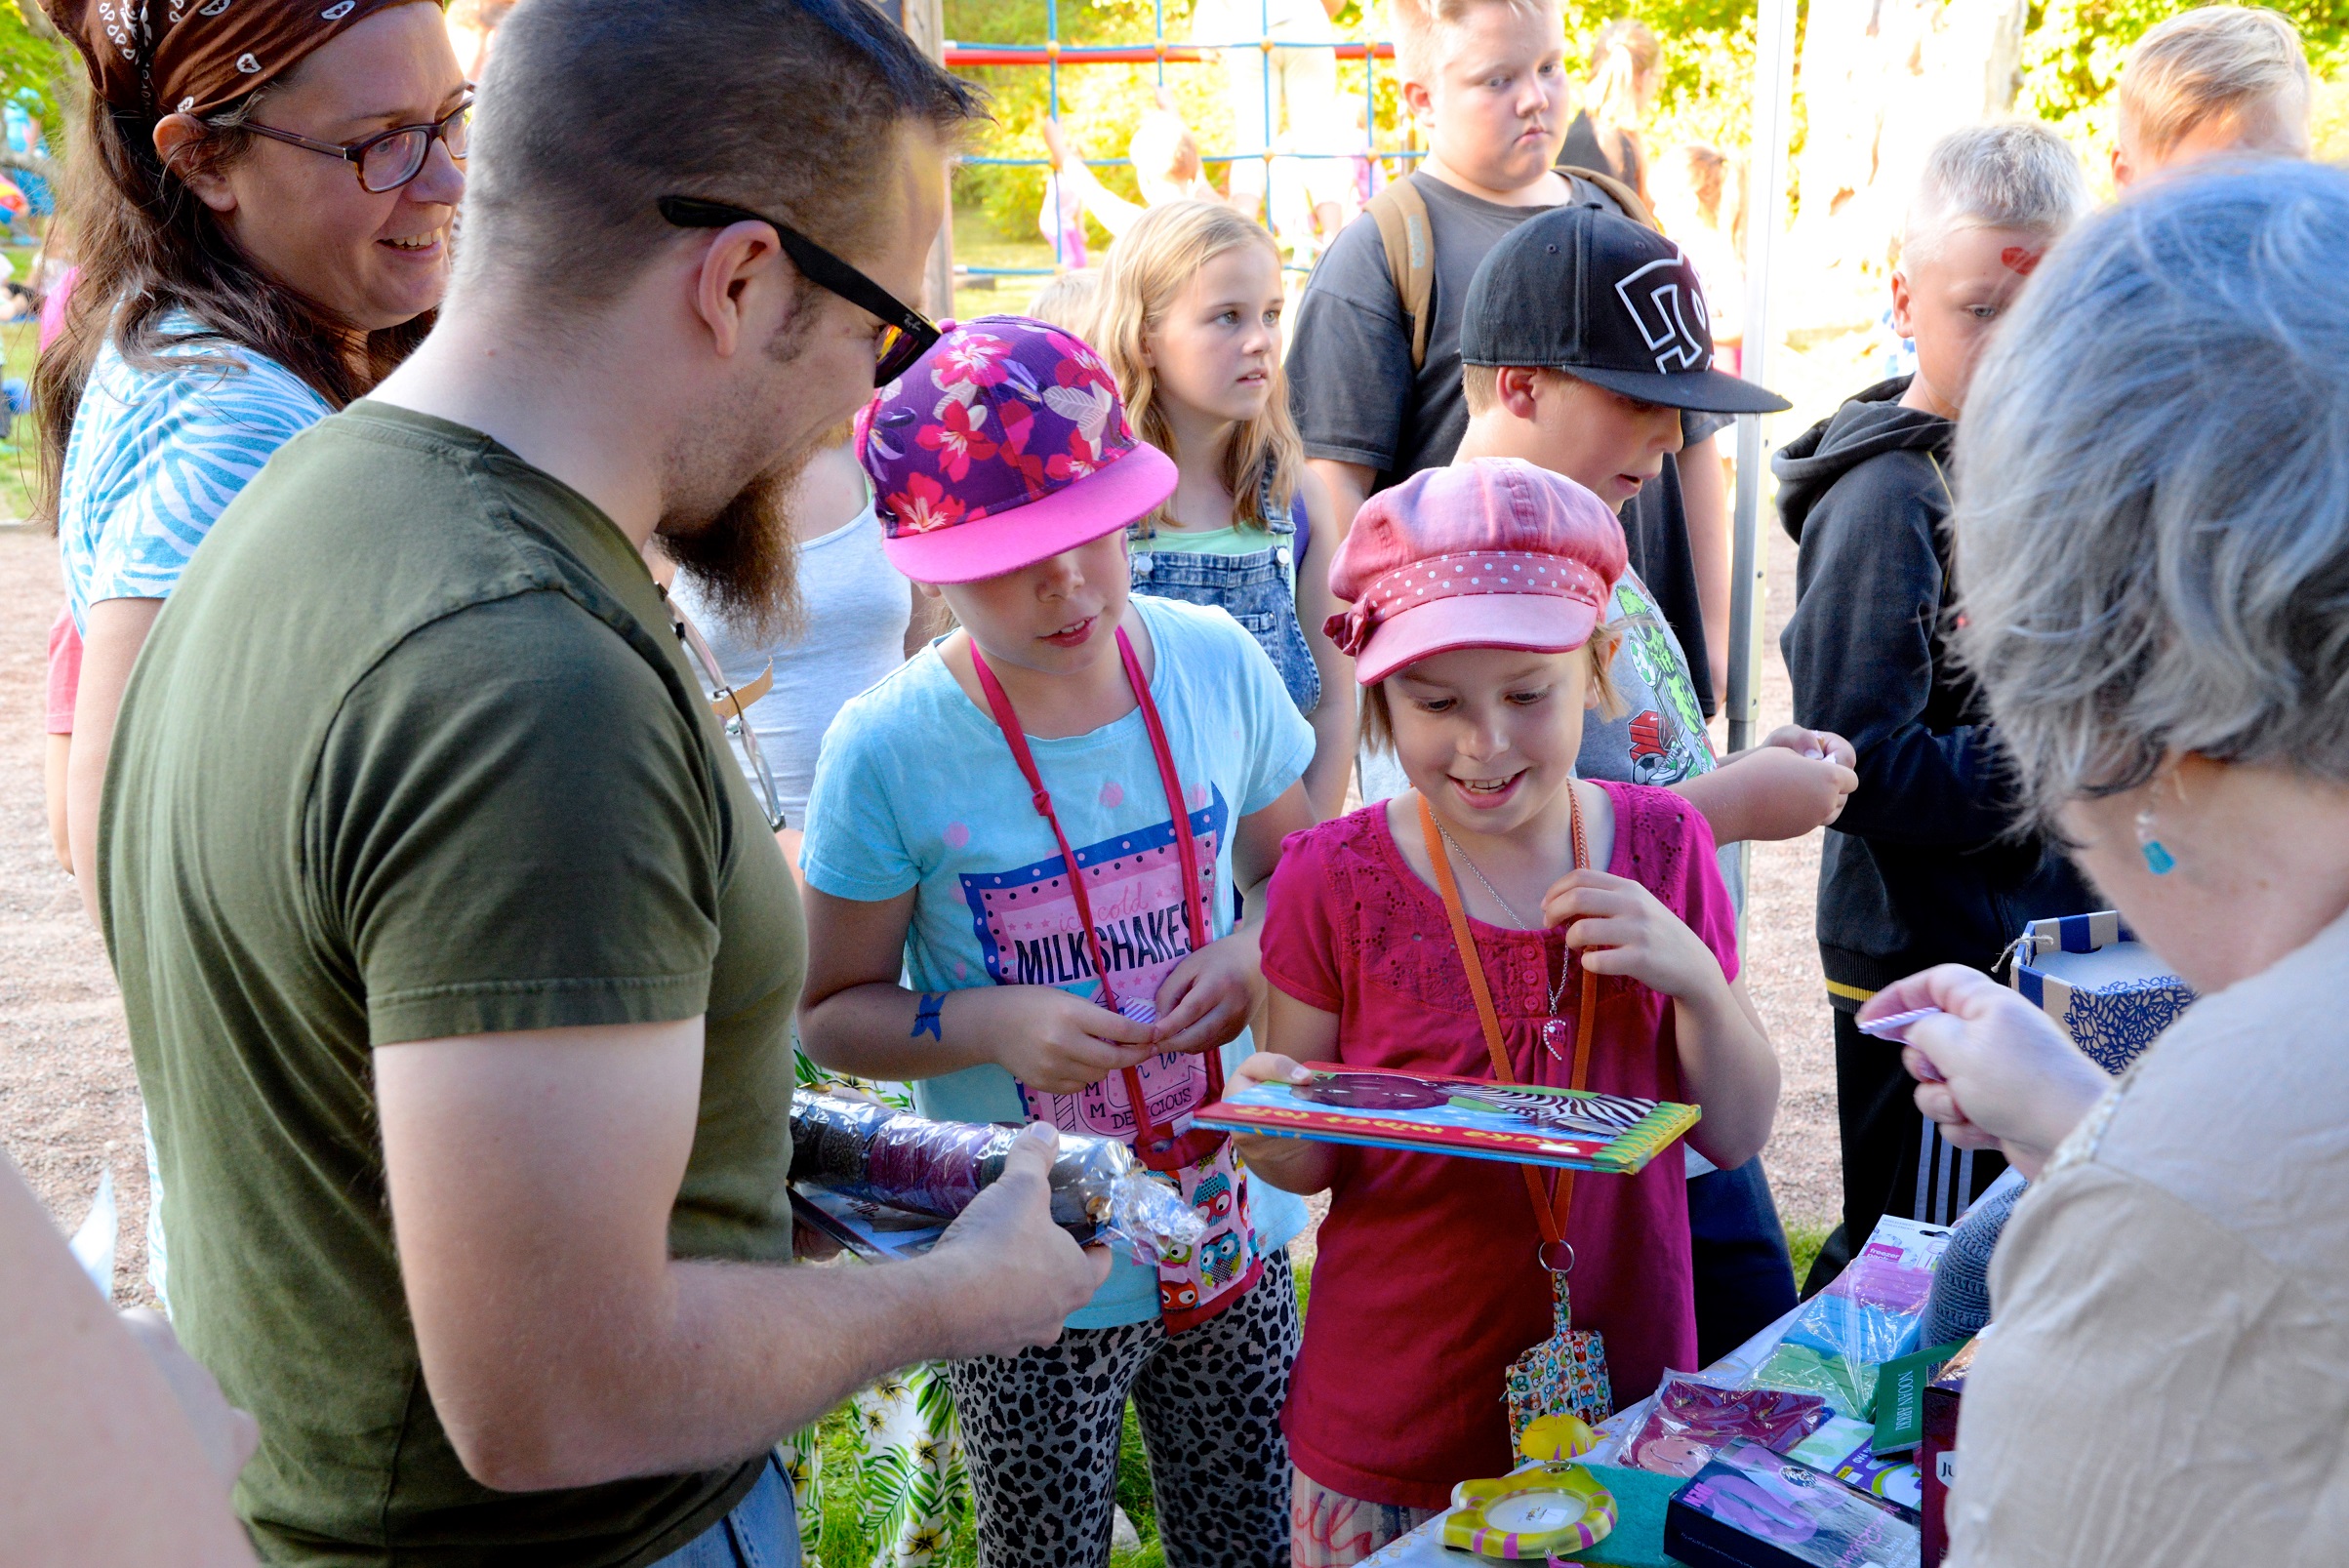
{"x": 1657, "y": 308}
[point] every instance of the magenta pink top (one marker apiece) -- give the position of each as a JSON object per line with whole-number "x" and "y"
{"x": 1427, "y": 1286}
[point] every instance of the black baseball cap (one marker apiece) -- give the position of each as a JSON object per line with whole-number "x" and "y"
{"x": 1607, "y": 301}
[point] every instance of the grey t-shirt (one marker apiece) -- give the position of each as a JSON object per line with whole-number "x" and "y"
{"x": 1356, "y": 398}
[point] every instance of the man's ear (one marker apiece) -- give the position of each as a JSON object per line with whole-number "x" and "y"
{"x": 1903, "y": 320}
{"x": 744, "y": 275}
{"x": 177, "y": 138}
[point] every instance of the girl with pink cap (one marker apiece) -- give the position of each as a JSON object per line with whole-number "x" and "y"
{"x": 1501, "y": 919}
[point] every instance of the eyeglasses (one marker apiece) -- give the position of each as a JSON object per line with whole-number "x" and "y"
{"x": 905, "y": 333}
{"x": 732, "y": 706}
{"x": 389, "y": 159}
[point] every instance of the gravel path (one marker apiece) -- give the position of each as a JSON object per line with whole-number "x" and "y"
{"x": 69, "y": 1103}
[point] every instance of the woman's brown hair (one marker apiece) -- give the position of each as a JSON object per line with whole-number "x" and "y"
{"x": 148, "y": 248}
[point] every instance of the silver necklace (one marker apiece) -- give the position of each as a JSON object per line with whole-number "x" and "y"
{"x": 1556, "y": 991}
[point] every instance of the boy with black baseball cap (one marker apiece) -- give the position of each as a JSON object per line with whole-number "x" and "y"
{"x": 1583, "y": 339}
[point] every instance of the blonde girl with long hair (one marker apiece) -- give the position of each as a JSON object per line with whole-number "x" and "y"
{"x": 1627, "y": 67}
{"x": 1189, "y": 319}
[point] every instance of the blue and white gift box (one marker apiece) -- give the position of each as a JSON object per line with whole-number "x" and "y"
{"x": 2100, "y": 985}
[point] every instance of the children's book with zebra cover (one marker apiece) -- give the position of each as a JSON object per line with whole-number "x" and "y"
{"x": 1429, "y": 1113}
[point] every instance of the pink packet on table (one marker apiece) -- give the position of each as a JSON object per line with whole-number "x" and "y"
{"x": 1693, "y": 1420}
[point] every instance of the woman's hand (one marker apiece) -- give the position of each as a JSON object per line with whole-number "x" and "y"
{"x": 1994, "y": 1070}
{"x": 1208, "y": 997}
{"x": 1048, "y": 1039}
{"x": 1623, "y": 930}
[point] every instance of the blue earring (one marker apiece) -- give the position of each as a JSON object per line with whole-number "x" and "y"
{"x": 2157, "y": 858}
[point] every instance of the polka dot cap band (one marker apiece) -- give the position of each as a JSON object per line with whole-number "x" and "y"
{"x": 1494, "y": 553}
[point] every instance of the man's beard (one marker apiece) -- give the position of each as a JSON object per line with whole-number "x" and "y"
{"x": 745, "y": 559}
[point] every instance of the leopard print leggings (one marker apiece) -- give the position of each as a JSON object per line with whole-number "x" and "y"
{"x": 1041, "y": 1430}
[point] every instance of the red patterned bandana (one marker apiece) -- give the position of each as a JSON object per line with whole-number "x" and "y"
{"x": 195, "y": 57}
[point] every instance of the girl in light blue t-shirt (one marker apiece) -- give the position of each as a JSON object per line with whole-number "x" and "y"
{"x": 1039, "y": 822}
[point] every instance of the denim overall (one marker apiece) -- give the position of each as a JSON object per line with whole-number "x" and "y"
{"x": 1257, "y": 588}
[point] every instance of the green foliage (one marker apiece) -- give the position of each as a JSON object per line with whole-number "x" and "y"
{"x": 2073, "y": 53}
{"x": 36, "y": 60}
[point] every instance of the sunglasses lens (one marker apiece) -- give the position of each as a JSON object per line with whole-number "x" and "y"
{"x": 394, "y": 161}
{"x": 896, "y": 349}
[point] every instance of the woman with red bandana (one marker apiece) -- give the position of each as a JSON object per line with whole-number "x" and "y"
{"x": 263, "y": 200}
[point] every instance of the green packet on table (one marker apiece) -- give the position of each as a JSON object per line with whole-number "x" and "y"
{"x": 1849, "y": 1390}
{"x": 1900, "y": 1398}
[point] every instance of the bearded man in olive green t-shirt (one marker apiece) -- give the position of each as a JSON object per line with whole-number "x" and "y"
{"x": 459, "y": 957}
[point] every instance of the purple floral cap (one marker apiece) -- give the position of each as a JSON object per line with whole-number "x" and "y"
{"x": 1004, "y": 445}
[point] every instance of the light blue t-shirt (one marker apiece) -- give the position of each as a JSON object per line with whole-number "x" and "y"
{"x": 916, "y": 788}
{"x": 156, "y": 457}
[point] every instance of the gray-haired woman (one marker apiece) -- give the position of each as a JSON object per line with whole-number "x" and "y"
{"x": 2153, "y": 544}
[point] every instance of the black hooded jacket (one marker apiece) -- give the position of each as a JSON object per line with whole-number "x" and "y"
{"x": 1920, "y": 868}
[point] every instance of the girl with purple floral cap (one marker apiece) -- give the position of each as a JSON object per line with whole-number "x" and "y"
{"x": 1500, "y": 919}
{"x": 1036, "y": 824}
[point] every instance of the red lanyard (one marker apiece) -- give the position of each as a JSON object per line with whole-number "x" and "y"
{"x": 1161, "y": 1152}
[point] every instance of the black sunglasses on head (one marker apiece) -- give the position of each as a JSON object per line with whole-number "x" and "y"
{"x": 905, "y": 333}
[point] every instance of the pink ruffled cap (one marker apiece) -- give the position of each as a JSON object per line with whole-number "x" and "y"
{"x": 1492, "y": 553}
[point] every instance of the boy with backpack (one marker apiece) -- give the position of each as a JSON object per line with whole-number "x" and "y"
{"x": 1923, "y": 868}
{"x": 1374, "y": 358}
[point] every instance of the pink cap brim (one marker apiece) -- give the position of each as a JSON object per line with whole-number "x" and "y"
{"x": 1102, "y": 503}
{"x": 1538, "y": 623}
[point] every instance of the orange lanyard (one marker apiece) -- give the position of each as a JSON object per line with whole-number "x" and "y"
{"x": 1549, "y": 1212}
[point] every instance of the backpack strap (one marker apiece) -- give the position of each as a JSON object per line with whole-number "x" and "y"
{"x": 1402, "y": 216}
{"x": 1622, "y": 194}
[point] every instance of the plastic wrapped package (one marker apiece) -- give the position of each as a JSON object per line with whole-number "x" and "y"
{"x": 1849, "y": 1388}
{"x": 1693, "y": 1421}
{"x": 1874, "y": 1310}
{"x": 888, "y": 1157}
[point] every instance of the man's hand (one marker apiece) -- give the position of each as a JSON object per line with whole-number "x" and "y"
{"x": 1006, "y": 1251}
{"x": 1208, "y": 997}
{"x": 1048, "y": 1039}
{"x": 229, "y": 1436}
{"x": 1994, "y": 1069}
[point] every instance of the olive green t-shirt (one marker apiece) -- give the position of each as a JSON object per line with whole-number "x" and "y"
{"x": 412, "y": 754}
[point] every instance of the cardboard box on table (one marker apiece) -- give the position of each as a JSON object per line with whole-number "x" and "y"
{"x": 2101, "y": 986}
{"x": 1937, "y": 1454}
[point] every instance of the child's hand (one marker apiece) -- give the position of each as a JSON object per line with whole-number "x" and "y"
{"x": 1265, "y": 1067}
{"x": 1206, "y": 1002}
{"x": 1787, "y": 793}
{"x": 1055, "y": 1042}
{"x": 1623, "y": 930}
{"x": 1824, "y": 744}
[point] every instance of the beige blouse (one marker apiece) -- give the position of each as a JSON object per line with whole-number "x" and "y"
{"x": 2167, "y": 1381}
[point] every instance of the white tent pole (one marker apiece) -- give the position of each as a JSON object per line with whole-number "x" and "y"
{"x": 1773, "y": 118}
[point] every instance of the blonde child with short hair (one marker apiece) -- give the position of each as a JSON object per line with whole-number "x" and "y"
{"x": 1377, "y": 393}
{"x": 2208, "y": 82}
{"x": 1924, "y": 867}
{"x": 1188, "y": 317}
